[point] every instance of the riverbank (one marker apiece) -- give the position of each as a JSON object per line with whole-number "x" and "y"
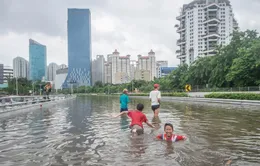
{"x": 207, "y": 100}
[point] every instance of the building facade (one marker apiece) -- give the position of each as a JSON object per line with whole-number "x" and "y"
{"x": 98, "y": 69}
{"x": 79, "y": 48}
{"x": 60, "y": 77}
{"x": 108, "y": 69}
{"x": 52, "y": 68}
{"x": 204, "y": 24}
{"x": 37, "y": 60}
{"x": 20, "y": 68}
{"x": 147, "y": 63}
{"x": 6, "y": 73}
{"x": 120, "y": 68}
{"x": 164, "y": 71}
{"x": 160, "y": 64}
{"x": 63, "y": 66}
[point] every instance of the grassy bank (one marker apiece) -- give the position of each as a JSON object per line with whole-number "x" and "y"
{"x": 238, "y": 96}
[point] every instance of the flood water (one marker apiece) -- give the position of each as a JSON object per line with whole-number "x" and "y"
{"x": 82, "y": 132}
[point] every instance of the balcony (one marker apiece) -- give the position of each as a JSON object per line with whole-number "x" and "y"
{"x": 212, "y": 20}
{"x": 211, "y": 34}
{"x": 178, "y": 51}
{"x": 180, "y": 29}
{"x": 180, "y": 42}
{"x": 212, "y": 6}
{"x": 180, "y": 17}
{"x": 181, "y": 56}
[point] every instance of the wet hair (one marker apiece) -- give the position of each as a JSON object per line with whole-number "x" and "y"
{"x": 140, "y": 107}
{"x": 168, "y": 124}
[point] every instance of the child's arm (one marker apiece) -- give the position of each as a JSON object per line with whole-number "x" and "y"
{"x": 181, "y": 138}
{"x": 149, "y": 124}
{"x": 122, "y": 113}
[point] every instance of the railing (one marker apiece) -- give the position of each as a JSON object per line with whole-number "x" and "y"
{"x": 10, "y": 103}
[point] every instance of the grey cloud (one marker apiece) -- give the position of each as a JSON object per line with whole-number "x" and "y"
{"x": 142, "y": 24}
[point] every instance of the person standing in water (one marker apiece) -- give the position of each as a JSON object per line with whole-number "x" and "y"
{"x": 155, "y": 97}
{"x": 138, "y": 118}
{"x": 124, "y": 100}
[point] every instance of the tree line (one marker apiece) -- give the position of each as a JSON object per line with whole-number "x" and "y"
{"x": 235, "y": 65}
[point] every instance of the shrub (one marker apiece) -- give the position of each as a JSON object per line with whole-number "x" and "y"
{"x": 239, "y": 96}
{"x": 163, "y": 94}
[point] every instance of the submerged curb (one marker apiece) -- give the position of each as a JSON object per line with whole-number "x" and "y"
{"x": 208, "y": 100}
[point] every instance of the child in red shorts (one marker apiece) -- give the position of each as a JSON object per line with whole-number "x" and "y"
{"x": 168, "y": 134}
{"x": 138, "y": 118}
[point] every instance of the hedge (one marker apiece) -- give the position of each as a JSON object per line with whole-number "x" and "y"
{"x": 239, "y": 96}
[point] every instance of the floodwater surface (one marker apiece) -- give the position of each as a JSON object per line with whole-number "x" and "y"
{"x": 82, "y": 132}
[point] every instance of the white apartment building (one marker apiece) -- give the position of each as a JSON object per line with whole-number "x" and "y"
{"x": 108, "y": 69}
{"x": 147, "y": 63}
{"x": 204, "y": 24}
{"x": 60, "y": 77}
{"x": 160, "y": 64}
{"x": 132, "y": 69}
{"x": 63, "y": 66}
{"x": 20, "y": 68}
{"x": 98, "y": 69}
{"x": 120, "y": 68}
{"x": 52, "y": 68}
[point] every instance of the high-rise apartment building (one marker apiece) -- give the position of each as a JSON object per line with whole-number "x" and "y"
{"x": 120, "y": 68}
{"x": 132, "y": 69}
{"x": 63, "y": 66}
{"x": 6, "y": 73}
{"x": 37, "y": 60}
{"x": 21, "y": 68}
{"x": 79, "y": 48}
{"x": 52, "y": 68}
{"x": 204, "y": 24}
{"x": 160, "y": 64}
{"x": 148, "y": 64}
{"x": 108, "y": 69}
{"x": 98, "y": 70}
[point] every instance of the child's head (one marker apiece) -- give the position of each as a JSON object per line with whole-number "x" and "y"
{"x": 156, "y": 86}
{"x": 168, "y": 129}
{"x": 140, "y": 107}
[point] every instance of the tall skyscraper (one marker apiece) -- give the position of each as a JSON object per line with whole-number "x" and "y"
{"x": 52, "y": 68}
{"x": 21, "y": 68}
{"x": 204, "y": 24}
{"x": 98, "y": 70}
{"x": 108, "y": 69}
{"x": 120, "y": 68}
{"x": 79, "y": 48}
{"x": 146, "y": 64}
{"x": 37, "y": 60}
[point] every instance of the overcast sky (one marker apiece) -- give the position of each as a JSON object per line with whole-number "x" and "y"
{"x": 133, "y": 27}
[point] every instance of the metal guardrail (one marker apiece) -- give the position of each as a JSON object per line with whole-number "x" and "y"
{"x": 9, "y": 103}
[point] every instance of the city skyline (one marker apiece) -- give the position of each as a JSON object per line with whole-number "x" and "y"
{"x": 154, "y": 23}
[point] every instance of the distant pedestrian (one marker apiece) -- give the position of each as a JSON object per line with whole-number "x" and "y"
{"x": 155, "y": 98}
{"x": 124, "y": 100}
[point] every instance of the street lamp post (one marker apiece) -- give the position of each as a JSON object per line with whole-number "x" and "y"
{"x": 16, "y": 83}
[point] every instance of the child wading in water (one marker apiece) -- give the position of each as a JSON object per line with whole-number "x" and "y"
{"x": 138, "y": 118}
{"x": 168, "y": 134}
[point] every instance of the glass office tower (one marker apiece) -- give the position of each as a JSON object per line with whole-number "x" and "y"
{"x": 37, "y": 60}
{"x": 79, "y": 48}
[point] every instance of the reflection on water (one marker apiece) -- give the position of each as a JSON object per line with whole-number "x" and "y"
{"x": 82, "y": 132}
